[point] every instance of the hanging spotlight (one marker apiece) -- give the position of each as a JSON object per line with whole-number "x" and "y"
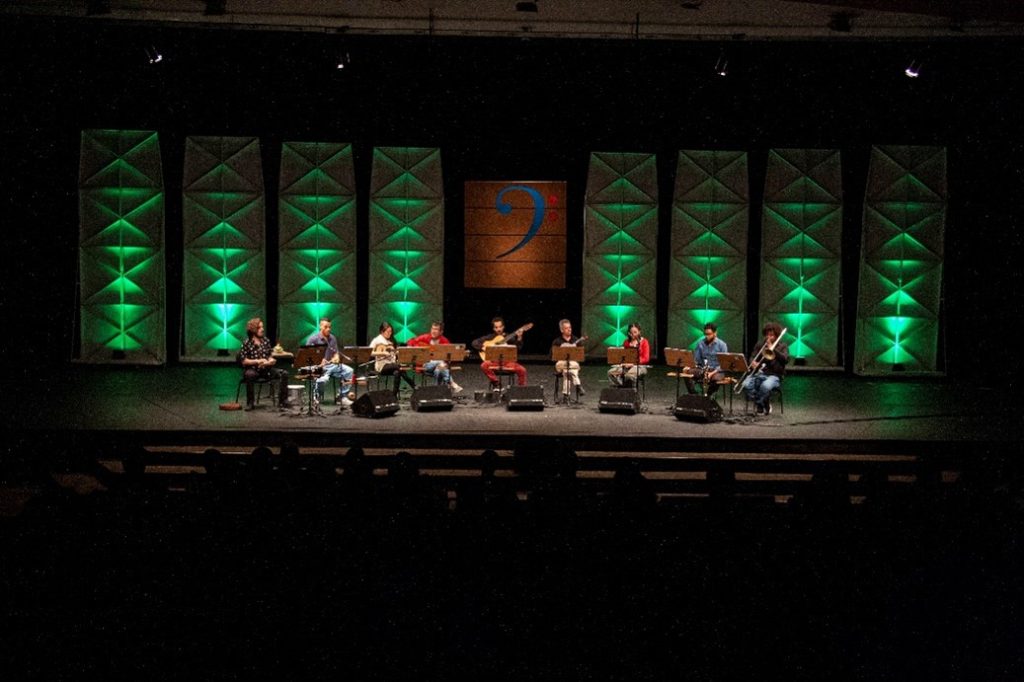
{"x": 722, "y": 65}
{"x": 344, "y": 61}
{"x": 153, "y": 55}
{"x": 913, "y": 70}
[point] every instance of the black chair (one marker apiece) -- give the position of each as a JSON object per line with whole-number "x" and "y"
{"x": 259, "y": 382}
{"x": 776, "y": 393}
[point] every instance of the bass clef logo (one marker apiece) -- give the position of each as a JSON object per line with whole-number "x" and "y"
{"x": 505, "y": 208}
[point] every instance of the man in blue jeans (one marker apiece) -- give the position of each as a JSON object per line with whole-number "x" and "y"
{"x": 768, "y": 372}
{"x": 331, "y": 364}
{"x": 707, "y": 350}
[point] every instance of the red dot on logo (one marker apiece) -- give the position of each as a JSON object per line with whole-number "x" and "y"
{"x": 552, "y": 200}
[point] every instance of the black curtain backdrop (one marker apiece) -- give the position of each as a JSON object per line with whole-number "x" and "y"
{"x": 510, "y": 110}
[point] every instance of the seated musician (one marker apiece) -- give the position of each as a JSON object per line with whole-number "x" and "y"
{"x": 438, "y": 369}
{"x": 257, "y": 360}
{"x": 330, "y": 364}
{"x": 385, "y": 357}
{"x": 498, "y": 337}
{"x": 566, "y": 338}
{"x": 626, "y": 375}
{"x": 707, "y": 351}
{"x": 768, "y": 366}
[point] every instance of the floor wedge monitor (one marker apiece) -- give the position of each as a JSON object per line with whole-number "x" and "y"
{"x": 622, "y": 400}
{"x": 525, "y": 397}
{"x": 697, "y": 408}
{"x": 375, "y": 404}
{"x": 432, "y": 399}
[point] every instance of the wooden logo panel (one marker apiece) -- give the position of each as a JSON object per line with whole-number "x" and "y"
{"x": 515, "y": 235}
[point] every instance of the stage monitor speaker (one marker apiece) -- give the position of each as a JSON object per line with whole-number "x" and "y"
{"x": 375, "y": 404}
{"x": 525, "y": 397}
{"x": 432, "y": 399}
{"x": 697, "y": 408}
{"x": 625, "y": 400}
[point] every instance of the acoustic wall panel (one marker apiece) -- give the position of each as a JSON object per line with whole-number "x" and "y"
{"x": 708, "y": 276}
{"x": 223, "y": 224}
{"x": 406, "y": 240}
{"x": 317, "y": 242}
{"x": 802, "y": 225}
{"x": 121, "y": 247}
{"x": 901, "y": 260}
{"x": 620, "y": 254}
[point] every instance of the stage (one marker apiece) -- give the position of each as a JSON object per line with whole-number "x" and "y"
{"x": 824, "y": 413}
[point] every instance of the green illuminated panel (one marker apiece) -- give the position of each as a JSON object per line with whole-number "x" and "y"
{"x": 901, "y": 260}
{"x": 708, "y": 276}
{"x": 406, "y": 240}
{"x": 317, "y": 276}
{"x": 802, "y": 221}
{"x": 121, "y": 247}
{"x": 620, "y": 257}
{"x": 223, "y": 226}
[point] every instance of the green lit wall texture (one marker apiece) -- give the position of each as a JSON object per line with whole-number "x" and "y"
{"x": 223, "y": 225}
{"x": 802, "y": 224}
{"x": 620, "y": 256}
{"x": 708, "y": 277}
{"x": 121, "y": 247}
{"x": 406, "y": 240}
{"x": 317, "y": 276}
{"x": 901, "y": 260}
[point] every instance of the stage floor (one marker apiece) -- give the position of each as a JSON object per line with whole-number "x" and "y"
{"x": 824, "y": 412}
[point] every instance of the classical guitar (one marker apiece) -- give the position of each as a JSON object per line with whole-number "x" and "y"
{"x": 499, "y": 340}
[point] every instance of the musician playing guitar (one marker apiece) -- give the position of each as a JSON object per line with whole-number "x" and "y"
{"x": 499, "y": 337}
{"x": 566, "y": 338}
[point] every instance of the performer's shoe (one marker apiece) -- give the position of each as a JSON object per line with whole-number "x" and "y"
{"x": 767, "y": 407}
{"x": 345, "y": 402}
{"x": 249, "y": 407}
{"x": 580, "y": 390}
{"x": 455, "y": 387}
{"x": 760, "y": 408}
{"x": 495, "y": 385}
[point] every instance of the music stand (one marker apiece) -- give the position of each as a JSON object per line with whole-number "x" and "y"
{"x": 413, "y": 356}
{"x": 732, "y": 362}
{"x": 681, "y": 359}
{"x": 448, "y": 352}
{"x": 502, "y": 353}
{"x": 567, "y": 353}
{"x": 308, "y": 358}
{"x": 359, "y": 356}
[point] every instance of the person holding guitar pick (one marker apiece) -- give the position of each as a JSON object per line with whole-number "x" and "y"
{"x": 498, "y": 337}
{"x": 566, "y": 338}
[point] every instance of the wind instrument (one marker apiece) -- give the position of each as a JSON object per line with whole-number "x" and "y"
{"x": 765, "y": 354}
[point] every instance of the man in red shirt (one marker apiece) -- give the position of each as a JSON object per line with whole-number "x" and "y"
{"x": 438, "y": 369}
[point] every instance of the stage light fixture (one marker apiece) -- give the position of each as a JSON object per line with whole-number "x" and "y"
{"x": 344, "y": 61}
{"x": 153, "y": 55}
{"x": 722, "y": 65}
{"x": 913, "y": 70}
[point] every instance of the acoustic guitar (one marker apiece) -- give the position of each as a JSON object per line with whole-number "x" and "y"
{"x": 499, "y": 340}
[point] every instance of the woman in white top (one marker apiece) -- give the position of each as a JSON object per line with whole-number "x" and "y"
{"x": 385, "y": 357}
